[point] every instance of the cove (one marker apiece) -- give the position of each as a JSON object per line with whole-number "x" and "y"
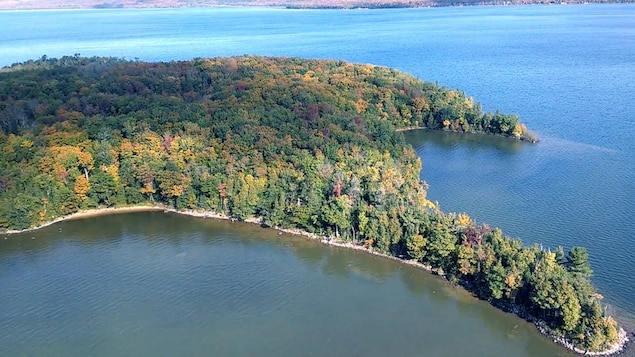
{"x": 155, "y": 283}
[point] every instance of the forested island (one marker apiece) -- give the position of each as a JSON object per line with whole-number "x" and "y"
{"x": 312, "y": 145}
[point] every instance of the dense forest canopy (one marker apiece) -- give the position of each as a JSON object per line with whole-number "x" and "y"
{"x": 308, "y": 144}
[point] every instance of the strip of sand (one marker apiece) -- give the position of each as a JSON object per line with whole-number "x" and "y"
{"x": 86, "y": 214}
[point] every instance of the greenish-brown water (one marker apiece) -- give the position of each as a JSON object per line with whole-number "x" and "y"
{"x": 163, "y": 284}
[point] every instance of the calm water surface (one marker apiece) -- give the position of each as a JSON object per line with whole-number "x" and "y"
{"x": 568, "y": 71}
{"x": 149, "y": 284}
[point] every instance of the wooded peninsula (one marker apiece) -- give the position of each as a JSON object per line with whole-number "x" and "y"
{"x": 300, "y": 144}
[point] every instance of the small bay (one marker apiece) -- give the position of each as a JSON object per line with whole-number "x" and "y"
{"x": 165, "y": 284}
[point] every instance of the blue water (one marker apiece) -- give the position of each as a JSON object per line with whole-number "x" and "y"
{"x": 568, "y": 71}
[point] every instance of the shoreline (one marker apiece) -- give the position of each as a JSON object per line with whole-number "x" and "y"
{"x": 320, "y": 5}
{"x": 612, "y": 350}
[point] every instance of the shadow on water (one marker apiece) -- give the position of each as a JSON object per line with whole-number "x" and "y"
{"x": 446, "y": 139}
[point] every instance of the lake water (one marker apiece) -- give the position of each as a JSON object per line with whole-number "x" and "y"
{"x": 156, "y": 284}
{"x": 568, "y": 71}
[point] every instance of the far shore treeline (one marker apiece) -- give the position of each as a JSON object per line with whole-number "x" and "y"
{"x": 289, "y": 4}
{"x": 307, "y": 144}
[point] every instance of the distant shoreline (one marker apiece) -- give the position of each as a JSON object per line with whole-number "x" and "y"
{"x": 615, "y": 349}
{"x": 26, "y": 5}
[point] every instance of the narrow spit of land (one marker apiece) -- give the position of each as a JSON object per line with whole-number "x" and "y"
{"x": 614, "y": 349}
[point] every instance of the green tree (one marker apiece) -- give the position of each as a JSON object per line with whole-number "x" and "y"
{"x": 496, "y": 281}
{"x": 578, "y": 262}
{"x": 172, "y": 184}
{"x": 23, "y": 210}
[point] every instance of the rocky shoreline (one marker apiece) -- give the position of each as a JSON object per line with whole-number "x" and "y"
{"x": 613, "y": 350}
{"x": 528, "y": 137}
